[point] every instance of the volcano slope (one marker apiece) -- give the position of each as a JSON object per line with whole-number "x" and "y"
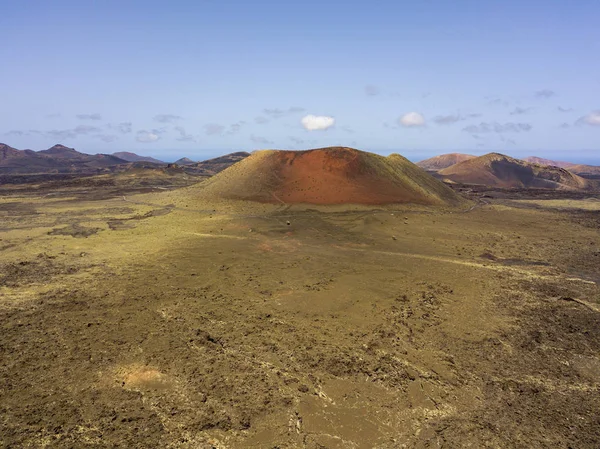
{"x": 168, "y": 320}
{"x": 499, "y": 170}
{"x": 327, "y": 176}
{"x": 443, "y": 161}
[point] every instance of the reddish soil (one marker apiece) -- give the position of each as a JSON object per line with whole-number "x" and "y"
{"x": 334, "y": 175}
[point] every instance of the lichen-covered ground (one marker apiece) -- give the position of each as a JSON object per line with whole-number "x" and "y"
{"x": 159, "y": 320}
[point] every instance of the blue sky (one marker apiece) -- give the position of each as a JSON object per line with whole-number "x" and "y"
{"x": 199, "y": 78}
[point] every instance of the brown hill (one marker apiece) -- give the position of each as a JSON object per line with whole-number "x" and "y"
{"x": 543, "y": 161}
{"x": 63, "y": 152}
{"x": 585, "y": 170}
{"x": 443, "y": 161}
{"x": 184, "y": 161}
{"x": 23, "y": 161}
{"x": 335, "y": 175}
{"x": 58, "y": 159}
{"x": 216, "y": 165}
{"x": 132, "y": 157}
{"x": 7, "y": 152}
{"x": 498, "y": 170}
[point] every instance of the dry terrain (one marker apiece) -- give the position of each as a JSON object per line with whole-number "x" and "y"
{"x": 499, "y": 170}
{"x": 443, "y": 161}
{"x": 168, "y": 320}
{"x": 333, "y": 175}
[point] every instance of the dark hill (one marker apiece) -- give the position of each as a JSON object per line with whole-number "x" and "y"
{"x": 58, "y": 159}
{"x": 132, "y": 157}
{"x": 216, "y": 165}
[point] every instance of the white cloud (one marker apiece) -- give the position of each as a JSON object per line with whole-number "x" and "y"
{"x": 412, "y": 119}
{"x": 593, "y": 119}
{"x": 147, "y": 136}
{"x": 317, "y": 122}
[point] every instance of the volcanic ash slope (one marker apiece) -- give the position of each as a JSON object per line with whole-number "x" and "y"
{"x": 498, "y": 170}
{"x": 444, "y": 161}
{"x": 325, "y": 176}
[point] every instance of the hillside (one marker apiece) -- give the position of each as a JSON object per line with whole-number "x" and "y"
{"x": 57, "y": 159}
{"x": 132, "y": 157}
{"x": 216, "y": 165}
{"x": 585, "y": 170}
{"x": 7, "y": 152}
{"x": 499, "y": 170}
{"x": 335, "y": 175}
{"x": 543, "y": 161}
{"x": 443, "y": 161}
{"x": 63, "y": 152}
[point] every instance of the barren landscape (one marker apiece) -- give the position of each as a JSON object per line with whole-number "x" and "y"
{"x": 142, "y": 315}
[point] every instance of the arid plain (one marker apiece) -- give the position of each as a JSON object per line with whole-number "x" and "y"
{"x": 135, "y": 316}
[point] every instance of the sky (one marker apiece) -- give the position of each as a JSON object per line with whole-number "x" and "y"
{"x": 200, "y": 78}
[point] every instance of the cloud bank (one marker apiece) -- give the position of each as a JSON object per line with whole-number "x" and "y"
{"x": 495, "y": 127}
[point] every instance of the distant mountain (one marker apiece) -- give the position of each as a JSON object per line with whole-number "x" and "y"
{"x": 213, "y": 166}
{"x": 132, "y": 157}
{"x": 542, "y": 161}
{"x": 62, "y": 159}
{"x": 583, "y": 170}
{"x": 24, "y": 161}
{"x": 63, "y": 152}
{"x": 7, "y": 152}
{"x": 443, "y": 161}
{"x": 499, "y": 170}
{"x": 58, "y": 159}
{"x": 184, "y": 161}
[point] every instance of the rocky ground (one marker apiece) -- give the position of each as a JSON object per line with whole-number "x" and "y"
{"x": 159, "y": 320}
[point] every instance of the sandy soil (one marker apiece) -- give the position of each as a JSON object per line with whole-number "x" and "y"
{"x": 158, "y": 320}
